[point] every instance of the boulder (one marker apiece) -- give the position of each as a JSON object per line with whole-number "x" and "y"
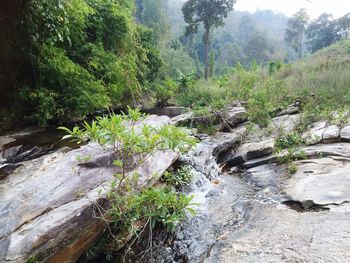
{"x": 345, "y": 134}
{"x": 234, "y": 116}
{"x": 250, "y": 151}
{"x": 182, "y": 119}
{"x": 282, "y": 124}
{"x": 320, "y": 132}
{"x": 321, "y": 181}
{"x": 170, "y": 111}
{"x": 48, "y": 205}
{"x": 291, "y": 110}
{"x": 212, "y": 151}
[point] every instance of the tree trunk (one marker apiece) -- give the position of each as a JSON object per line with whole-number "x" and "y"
{"x": 206, "y": 44}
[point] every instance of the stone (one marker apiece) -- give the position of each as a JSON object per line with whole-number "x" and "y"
{"x": 345, "y": 134}
{"x": 251, "y": 151}
{"x": 170, "y": 111}
{"x": 320, "y": 132}
{"x": 48, "y": 204}
{"x": 267, "y": 175}
{"x": 323, "y": 181}
{"x": 325, "y": 150}
{"x": 331, "y": 134}
{"x": 278, "y": 125}
{"x": 291, "y": 110}
{"x": 182, "y": 119}
{"x": 234, "y": 116}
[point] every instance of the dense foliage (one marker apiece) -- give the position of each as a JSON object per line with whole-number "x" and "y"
{"x": 267, "y": 90}
{"x": 84, "y": 55}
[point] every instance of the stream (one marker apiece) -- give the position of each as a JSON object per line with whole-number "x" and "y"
{"x": 246, "y": 216}
{"x": 243, "y": 214}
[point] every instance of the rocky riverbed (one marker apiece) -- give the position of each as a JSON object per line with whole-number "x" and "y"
{"x": 250, "y": 207}
{"x": 254, "y": 210}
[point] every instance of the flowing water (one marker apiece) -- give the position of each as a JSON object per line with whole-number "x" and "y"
{"x": 240, "y": 217}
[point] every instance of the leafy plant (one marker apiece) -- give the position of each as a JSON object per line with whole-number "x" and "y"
{"x": 131, "y": 143}
{"x": 292, "y": 168}
{"x": 290, "y": 155}
{"x": 259, "y": 108}
{"x": 152, "y": 206}
{"x": 179, "y": 178}
{"x": 164, "y": 91}
{"x": 289, "y": 140}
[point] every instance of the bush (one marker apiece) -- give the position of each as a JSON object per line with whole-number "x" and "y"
{"x": 259, "y": 108}
{"x": 131, "y": 144}
{"x": 179, "y": 178}
{"x": 292, "y": 168}
{"x": 152, "y": 206}
{"x": 164, "y": 91}
{"x": 288, "y": 140}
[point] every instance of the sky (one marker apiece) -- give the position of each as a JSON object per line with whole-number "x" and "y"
{"x": 289, "y": 7}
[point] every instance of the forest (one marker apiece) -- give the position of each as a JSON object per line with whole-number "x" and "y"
{"x": 63, "y": 61}
{"x": 262, "y": 121}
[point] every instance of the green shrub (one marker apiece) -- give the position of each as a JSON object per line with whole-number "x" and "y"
{"x": 289, "y": 140}
{"x": 179, "y": 178}
{"x": 243, "y": 82}
{"x": 131, "y": 144}
{"x": 292, "y": 168}
{"x": 164, "y": 91}
{"x": 291, "y": 155}
{"x": 259, "y": 108}
{"x": 152, "y": 206}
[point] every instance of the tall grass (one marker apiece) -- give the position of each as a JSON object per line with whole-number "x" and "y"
{"x": 319, "y": 82}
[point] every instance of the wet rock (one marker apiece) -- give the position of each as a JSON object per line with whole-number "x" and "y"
{"x": 345, "y": 134}
{"x": 322, "y": 181}
{"x": 269, "y": 175}
{"x": 259, "y": 161}
{"x": 22, "y": 153}
{"x": 235, "y": 116}
{"x": 182, "y": 119}
{"x": 225, "y": 143}
{"x": 291, "y": 110}
{"x": 212, "y": 151}
{"x": 170, "y": 111}
{"x": 250, "y": 151}
{"x": 48, "y": 204}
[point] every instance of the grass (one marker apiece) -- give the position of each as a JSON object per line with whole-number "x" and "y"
{"x": 319, "y": 82}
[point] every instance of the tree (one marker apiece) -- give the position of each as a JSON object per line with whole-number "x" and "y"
{"x": 258, "y": 48}
{"x": 324, "y": 31}
{"x": 321, "y": 32}
{"x": 77, "y": 56}
{"x": 296, "y": 27}
{"x": 343, "y": 26}
{"x": 210, "y": 14}
{"x": 247, "y": 28}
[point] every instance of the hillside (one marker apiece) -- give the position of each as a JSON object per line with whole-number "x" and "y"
{"x": 319, "y": 83}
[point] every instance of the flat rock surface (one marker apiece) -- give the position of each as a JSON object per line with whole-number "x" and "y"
{"x": 47, "y": 202}
{"x": 284, "y": 235}
{"x": 345, "y": 134}
{"x": 322, "y": 181}
{"x": 258, "y": 214}
{"x": 235, "y": 115}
